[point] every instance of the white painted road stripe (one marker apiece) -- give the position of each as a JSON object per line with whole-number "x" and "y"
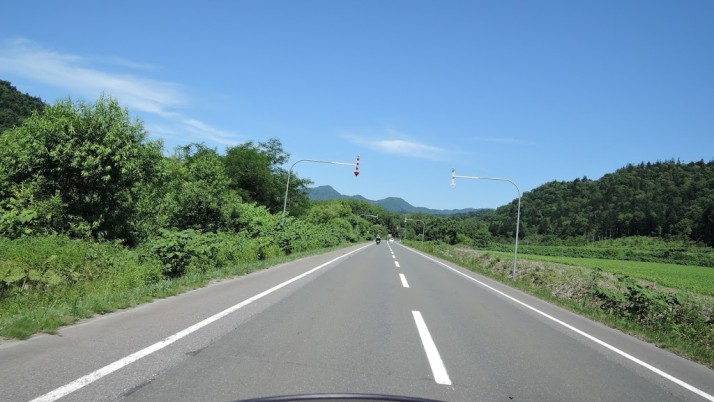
{"x": 394, "y": 256}
{"x": 432, "y": 354}
{"x": 106, "y": 370}
{"x": 626, "y": 355}
{"x": 396, "y": 263}
{"x": 404, "y": 280}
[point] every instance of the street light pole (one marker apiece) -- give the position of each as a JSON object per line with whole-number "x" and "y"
{"x": 290, "y": 173}
{"x": 518, "y": 216}
{"x": 423, "y": 227}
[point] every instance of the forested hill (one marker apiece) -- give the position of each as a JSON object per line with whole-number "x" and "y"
{"x": 660, "y": 199}
{"x": 15, "y": 106}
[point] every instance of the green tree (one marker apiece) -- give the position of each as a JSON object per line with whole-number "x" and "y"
{"x": 197, "y": 189}
{"x": 250, "y": 173}
{"x": 256, "y": 173}
{"x": 86, "y": 160}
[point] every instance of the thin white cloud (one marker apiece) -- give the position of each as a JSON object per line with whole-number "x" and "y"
{"x": 120, "y": 61}
{"x": 205, "y": 131}
{"x": 191, "y": 130}
{"x": 401, "y": 147}
{"x": 29, "y": 60}
{"x": 406, "y": 148}
{"x": 77, "y": 75}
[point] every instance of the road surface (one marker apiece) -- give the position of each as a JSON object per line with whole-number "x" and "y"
{"x": 369, "y": 319}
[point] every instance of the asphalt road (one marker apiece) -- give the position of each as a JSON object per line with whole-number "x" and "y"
{"x": 368, "y": 319}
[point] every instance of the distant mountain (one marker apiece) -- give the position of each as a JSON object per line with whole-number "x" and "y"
{"x": 392, "y": 204}
{"x": 324, "y": 193}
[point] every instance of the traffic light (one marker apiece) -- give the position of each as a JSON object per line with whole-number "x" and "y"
{"x": 357, "y": 167}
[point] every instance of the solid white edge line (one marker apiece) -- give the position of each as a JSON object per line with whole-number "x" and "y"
{"x": 112, "y": 367}
{"x": 396, "y": 264}
{"x": 404, "y": 280}
{"x": 622, "y": 353}
{"x": 432, "y": 354}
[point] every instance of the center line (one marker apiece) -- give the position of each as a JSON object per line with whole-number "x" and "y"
{"x": 432, "y": 354}
{"x": 394, "y": 256}
{"x": 404, "y": 280}
{"x": 396, "y": 263}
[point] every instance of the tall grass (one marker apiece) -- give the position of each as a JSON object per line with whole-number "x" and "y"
{"x": 48, "y": 282}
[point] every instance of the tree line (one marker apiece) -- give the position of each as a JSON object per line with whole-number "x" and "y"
{"x": 87, "y": 170}
{"x": 666, "y": 199}
{"x": 669, "y": 200}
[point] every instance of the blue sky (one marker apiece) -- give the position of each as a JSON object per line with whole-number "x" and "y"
{"x": 533, "y": 91}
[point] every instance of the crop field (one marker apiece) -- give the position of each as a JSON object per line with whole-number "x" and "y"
{"x": 682, "y": 277}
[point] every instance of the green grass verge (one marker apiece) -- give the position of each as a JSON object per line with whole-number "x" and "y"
{"x": 23, "y": 314}
{"x": 682, "y": 277}
{"x": 636, "y": 248}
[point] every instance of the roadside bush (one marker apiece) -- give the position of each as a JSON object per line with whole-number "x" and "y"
{"x": 44, "y": 263}
{"x": 181, "y": 251}
{"x": 299, "y": 235}
{"x": 233, "y": 249}
{"x": 250, "y": 219}
{"x": 22, "y": 214}
{"x": 177, "y": 250}
{"x": 657, "y": 310}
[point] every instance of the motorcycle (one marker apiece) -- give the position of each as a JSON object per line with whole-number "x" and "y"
{"x": 378, "y": 240}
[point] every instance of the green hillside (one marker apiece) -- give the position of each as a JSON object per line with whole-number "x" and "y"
{"x": 668, "y": 199}
{"x": 16, "y": 106}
